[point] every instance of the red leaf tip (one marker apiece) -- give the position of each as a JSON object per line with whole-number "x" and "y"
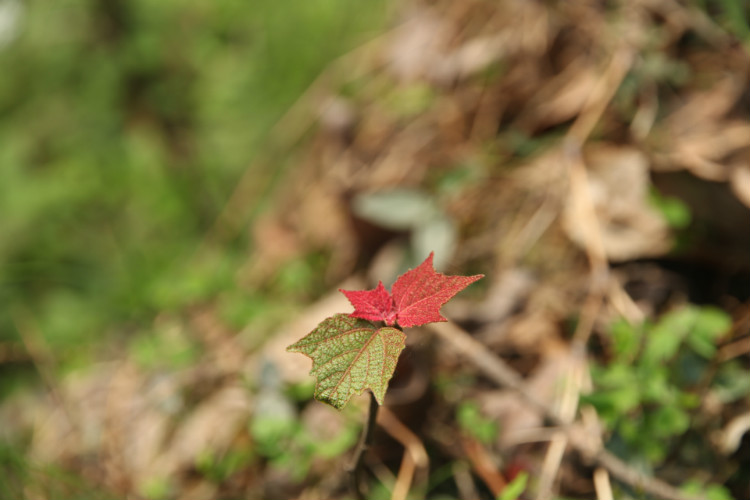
{"x": 372, "y": 305}
{"x": 416, "y": 298}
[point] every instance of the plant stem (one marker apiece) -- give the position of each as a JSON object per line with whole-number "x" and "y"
{"x": 355, "y": 468}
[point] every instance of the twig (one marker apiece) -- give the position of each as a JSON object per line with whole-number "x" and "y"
{"x": 464, "y": 482}
{"x": 355, "y": 468}
{"x": 483, "y": 464}
{"x": 565, "y": 409}
{"x": 601, "y": 484}
{"x": 595, "y": 250}
{"x": 600, "y": 96}
{"x": 598, "y": 278}
{"x": 733, "y": 350}
{"x": 404, "y": 478}
{"x": 415, "y": 463}
{"x": 551, "y": 465}
{"x": 497, "y": 370}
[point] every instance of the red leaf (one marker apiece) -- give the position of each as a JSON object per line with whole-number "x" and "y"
{"x": 372, "y": 305}
{"x": 419, "y": 293}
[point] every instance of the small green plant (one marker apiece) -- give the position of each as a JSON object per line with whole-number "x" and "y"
{"x": 643, "y": 394}
{"x": 351, "y": 354}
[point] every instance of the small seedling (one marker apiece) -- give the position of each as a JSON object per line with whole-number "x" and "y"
{"x": 351, "y": 354}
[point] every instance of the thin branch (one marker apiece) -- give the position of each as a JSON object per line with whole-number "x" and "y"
{"x": 355, "y": 468}
{"x": 601, "y": 484}
{"x": 415, "y": 463}
{"x": 484, "y": 466}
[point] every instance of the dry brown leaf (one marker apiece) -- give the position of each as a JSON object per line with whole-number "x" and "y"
{"x": 418, "y": 45}
{"x": 617, "y": 187}
{"x": 506, "y": 292}
{"x": 700, "y": 151}
{"x": 209, "y": 428}
{"x": 740, "y": 183}
{"x": 706, "y": 107}
{"x": 514, "y": 413}
{"x": 716, "y": 141}
{"x": 562, "y": 98}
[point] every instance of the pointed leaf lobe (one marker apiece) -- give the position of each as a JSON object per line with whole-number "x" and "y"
{"x": 349, "y": 356}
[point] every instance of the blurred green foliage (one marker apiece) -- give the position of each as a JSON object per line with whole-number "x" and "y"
{"x": 675, "y": 211}
{"x": 21, "y": 479}
{"x": 732, "y": 15}
{"x": 710, "y": 492}
{"x": 648, "y": 393}
{"x": 515, "y": 488}
{"x": 220, "y": 468}
{"x": 289, "y": 445}
{"x": 472, "y": 422}
{"x": 124, "y": 128}
{"x": 644, "y": 393}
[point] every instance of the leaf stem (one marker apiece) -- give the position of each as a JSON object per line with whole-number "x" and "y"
{"x": 355, "y": 468}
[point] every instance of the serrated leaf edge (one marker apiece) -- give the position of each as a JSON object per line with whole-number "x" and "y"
{"x": 378, "y": 392}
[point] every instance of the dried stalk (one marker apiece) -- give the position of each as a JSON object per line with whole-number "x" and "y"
{"x": 357, "y": 463}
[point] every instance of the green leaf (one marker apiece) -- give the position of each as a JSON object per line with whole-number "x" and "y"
{"x": 626, "y": 340}
{"x": 710, "y": 324}
{"x": 709, "y": 491}
{"x": 397, "y": 209}
{"x": 471, "y": 421}
{"x": 666, "y": 336}
{"x": 668, "y": 421}
{"x": 514, "y": 489}
{"x": 675, "y": 211}
{"x": 349, "y": 355}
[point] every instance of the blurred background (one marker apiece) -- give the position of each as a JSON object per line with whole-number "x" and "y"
{"x": 185, "y": 185}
